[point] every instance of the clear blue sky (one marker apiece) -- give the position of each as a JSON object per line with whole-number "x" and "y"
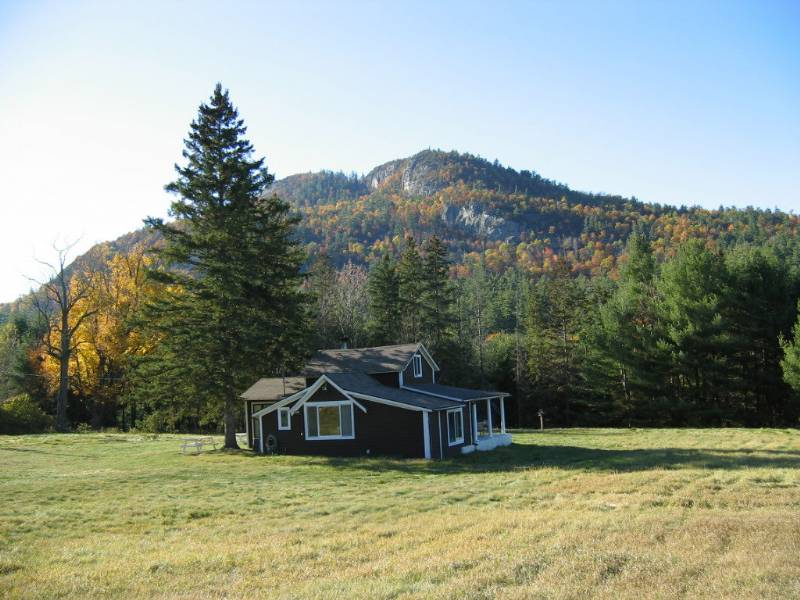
{"x": 673, "y": 102}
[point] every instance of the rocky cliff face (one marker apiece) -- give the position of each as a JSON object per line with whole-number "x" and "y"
{"x": 412, "y": 176}
{"x": 474, "y": 220}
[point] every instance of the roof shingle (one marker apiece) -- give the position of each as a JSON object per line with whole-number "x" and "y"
{"x": 274, "y": 388}
{"x": 380, "y": 359}
{"x": 359, "y": 383}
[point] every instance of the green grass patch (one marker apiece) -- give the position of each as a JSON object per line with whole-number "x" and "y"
{"x": 604, "y": 513}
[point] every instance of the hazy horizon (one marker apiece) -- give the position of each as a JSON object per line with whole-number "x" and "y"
{"x": 678, "y": 104}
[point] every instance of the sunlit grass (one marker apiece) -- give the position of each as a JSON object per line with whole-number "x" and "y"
{"x": 560, "y": 514}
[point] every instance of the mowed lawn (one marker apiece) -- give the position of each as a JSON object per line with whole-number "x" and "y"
{"x": 606, "y": 513}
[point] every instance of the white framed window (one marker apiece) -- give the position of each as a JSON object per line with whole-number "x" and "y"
{"x": 284, "y": 419}
{"x": 329, "y": 420}
{"x": 417, "y": 365}
{"x": 455, "y": 426}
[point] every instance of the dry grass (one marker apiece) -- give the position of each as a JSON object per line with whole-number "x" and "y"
{"x": 561, "y": 514}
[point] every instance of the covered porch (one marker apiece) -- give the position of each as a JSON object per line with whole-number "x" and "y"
{"x": 485, "y": 415}
{"x": 488, "y": 420}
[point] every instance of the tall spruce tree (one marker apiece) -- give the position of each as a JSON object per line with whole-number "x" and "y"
{"x": 236, "y": 310}
{"x": 437, "y": 294}
{"x": 383, "y": 287}
{"x": 411, "y": 286}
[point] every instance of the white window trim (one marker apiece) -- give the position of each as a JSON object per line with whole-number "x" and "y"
{"x": 460, "y": 440}
{"x": 417, "y": 362}
{"x": 315, "y": 405}
{"x": 288, "y": 413}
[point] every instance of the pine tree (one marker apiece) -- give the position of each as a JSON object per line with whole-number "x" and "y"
{"x": 692, "y": 291}
{"x": 411, "y": 286}
{"x": 555, "y": 340}
{"x": 235, "y": 309}
{"x": 630, "y": 334}
{"x": 790, "y": 364}
{"x": 437, "y": 295}
{"x": 384, "y": 302}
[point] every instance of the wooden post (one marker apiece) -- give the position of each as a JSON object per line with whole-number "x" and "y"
{"x": 502, "y": 414}
{"x": 489, "y": 415}
{"x": 541, "y": 419}
{"x": 474, "y": 413}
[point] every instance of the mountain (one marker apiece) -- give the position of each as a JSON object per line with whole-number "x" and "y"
{"x": 480, "y": 207}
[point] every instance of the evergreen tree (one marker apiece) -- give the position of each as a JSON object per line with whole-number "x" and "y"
{"x": 556, "y": 344}
{"x": 692, "y": 289}
{"x": 790, "y": 364}
{"x": 320, "y": 284}
{"x": 235, "y": 309}
{"x": 437, "y": 295}
{"x": 384, "y": 302}
{"x": 411, "y": 286}
{"x": 630, "y": 334}
{"x": 760, "y": 308}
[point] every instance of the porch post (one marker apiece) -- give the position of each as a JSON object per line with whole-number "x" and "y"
{"x": 261, "y": 432}
{"x": 489, "y": 415}
{"x": 474, "y": 414}
{"x": 502, "y": 414}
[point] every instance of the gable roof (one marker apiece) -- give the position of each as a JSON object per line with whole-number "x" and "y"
{"x": 452, "y": 392}
{"x": 380, "y": 359}
{"x": 360, "y": 384}
{"x": 274, "y": 388}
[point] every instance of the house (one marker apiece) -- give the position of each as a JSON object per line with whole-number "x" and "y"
{"x": 383, "y": 400}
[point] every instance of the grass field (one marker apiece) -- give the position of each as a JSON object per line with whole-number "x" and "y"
{"x": 560, "y": 514}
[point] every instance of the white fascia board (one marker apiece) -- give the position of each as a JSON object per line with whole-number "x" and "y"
{"x": 390, "y": 402}
{"x": 279, "y": 404}
{"x": 317, "y": 384}
{"x": 426, "y": 355}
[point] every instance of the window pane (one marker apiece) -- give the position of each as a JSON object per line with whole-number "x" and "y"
{"x": 346, "y": 416}
{"x": 283, "y": 415}
{"x": 311, "y": 418}
{"x": 454, "y": 427}
{"x": 329, "y": 420}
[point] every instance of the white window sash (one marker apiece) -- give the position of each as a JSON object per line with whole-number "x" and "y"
{"x": 281, "y": 412}
{"x": 417, "y": 365}
{"x": 458, "y": 440}
{"x": 316, "y": 405}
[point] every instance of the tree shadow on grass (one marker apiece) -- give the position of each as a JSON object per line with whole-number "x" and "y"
{"x": 521, "y": 457}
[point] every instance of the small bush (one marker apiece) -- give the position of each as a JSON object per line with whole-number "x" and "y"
{"x": 83, "y": 428}
{"x": 21, "y": 414}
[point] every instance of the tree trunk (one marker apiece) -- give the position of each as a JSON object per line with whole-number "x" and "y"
{"x": 63, "y": 382}
{"x": 231, "y": 418}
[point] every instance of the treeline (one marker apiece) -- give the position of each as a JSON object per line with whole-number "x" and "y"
{"x": 704, "y": 338}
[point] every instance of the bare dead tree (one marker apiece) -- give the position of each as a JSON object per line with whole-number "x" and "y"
{"x": 57, "y": 302}
{"x": 350, "y": 302}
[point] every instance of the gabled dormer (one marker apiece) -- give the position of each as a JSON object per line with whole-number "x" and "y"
{"x": 390, "y": 365}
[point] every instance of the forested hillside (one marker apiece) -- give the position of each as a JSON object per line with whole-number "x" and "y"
{"x": 512, "y": 217}
{"x": 595, "y": 309}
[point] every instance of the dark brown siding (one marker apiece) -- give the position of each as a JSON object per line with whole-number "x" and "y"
{"x": 427, "y": 374}
{"x": 389, "y": 379}
{"x": 382, "y": 430}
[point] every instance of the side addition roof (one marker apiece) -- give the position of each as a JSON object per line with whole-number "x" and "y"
{"x": 451, "y": 392}
{"x": 380, "y": 359}
{"x": 274, "y": 388}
